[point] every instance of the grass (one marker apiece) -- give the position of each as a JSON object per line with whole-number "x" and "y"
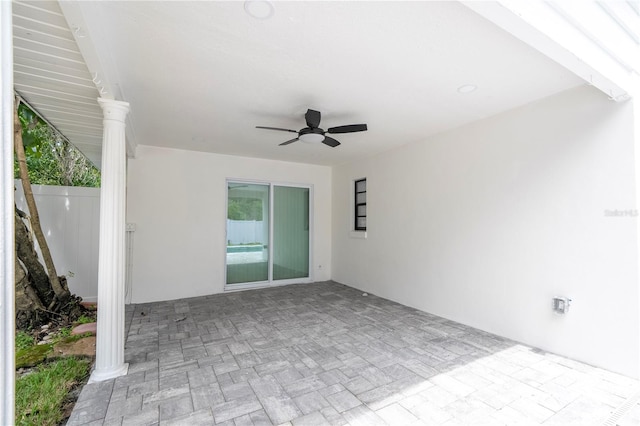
{"x": 63, "y": 333}
{"x": 24, "y": 340}
{"x": 40, "y": 395}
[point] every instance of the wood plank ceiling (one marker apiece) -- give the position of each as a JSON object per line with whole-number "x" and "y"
{"x": 50, "y": 74}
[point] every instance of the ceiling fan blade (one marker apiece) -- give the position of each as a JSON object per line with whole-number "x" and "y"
{"x": 313, "y": 118}
{"x": 276, "y": 128}
{"x": 288, "y": 142}
{"x": 348, "y": 128}
{"x": 330, "y": 141}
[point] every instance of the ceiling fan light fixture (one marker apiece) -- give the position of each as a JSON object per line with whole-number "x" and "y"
{"x": 312, "y": 138}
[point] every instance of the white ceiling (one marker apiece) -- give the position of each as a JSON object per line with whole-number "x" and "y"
{"x": 202, "y": 75}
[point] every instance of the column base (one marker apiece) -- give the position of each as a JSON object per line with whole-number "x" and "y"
{"x": 112, "y": 373}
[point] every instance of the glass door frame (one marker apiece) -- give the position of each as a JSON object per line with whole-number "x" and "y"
{"x": 270, "y": 281}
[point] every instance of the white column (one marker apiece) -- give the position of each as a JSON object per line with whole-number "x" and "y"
{"x": 111, "y": 258}
{"x": 7, "y": 286}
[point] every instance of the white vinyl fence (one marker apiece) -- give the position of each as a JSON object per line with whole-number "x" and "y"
{"x": 70, "y": 219}
{"x": 244, "y": 231}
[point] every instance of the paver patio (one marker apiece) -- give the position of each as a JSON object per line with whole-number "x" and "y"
{"x": 324, "y": 354}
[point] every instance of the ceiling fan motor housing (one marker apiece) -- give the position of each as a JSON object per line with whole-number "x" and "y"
{"x": 307, "y": 130}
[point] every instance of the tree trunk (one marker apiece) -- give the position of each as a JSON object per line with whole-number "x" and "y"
{"x": 61, "y": 294}
{"x": 33, "y": 287}
{"x": 26, "y": 253}
{"x": 29, "y": 308}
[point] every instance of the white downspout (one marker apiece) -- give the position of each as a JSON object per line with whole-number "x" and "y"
{"x": 7, "y": 259}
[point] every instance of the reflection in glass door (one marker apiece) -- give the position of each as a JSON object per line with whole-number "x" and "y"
{"x": 247, "y": 233}
{"x": 268, "y": 234}
{"x": 290, "y": 232}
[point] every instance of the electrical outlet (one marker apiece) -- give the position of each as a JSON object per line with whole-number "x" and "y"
{"x": 561, "y": 304}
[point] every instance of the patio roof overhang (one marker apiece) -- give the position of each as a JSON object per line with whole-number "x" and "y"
{"x": 51, "y": 74}
{"x": 598, "y": 41}
{"x": 61, "y": 73}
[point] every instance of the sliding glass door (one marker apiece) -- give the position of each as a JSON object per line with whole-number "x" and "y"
{"x": 268, "y": 234}
{"x": 247, "y": 232}
{"x": 290, "y": 232}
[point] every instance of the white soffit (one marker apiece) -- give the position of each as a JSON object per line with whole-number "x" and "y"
{"x": 597, "y": 40}
{"x": 201, "y": 75}
{"x": 51, "y": 75}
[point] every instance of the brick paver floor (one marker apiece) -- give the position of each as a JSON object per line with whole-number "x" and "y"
{"x": 324, "y": 354}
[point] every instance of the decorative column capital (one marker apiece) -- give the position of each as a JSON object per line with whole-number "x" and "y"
{"x": 114, "y": 110}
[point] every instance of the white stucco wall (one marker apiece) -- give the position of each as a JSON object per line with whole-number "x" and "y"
{"x": 486, "y": 223}
{"x": 177, "y": 199}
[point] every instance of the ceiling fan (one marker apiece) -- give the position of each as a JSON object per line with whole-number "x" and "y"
{"x": 314, "y": 134}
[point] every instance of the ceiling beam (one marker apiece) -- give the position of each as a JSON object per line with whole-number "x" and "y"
{"x": 586, "y": 37}
{"x": 100, "y": 66}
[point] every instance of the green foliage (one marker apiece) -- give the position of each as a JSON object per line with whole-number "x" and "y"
{"x": 24, "y": 340}
{"x": 32, "y": 130}
{"x": 244, "y": 209}
{"x": 63, "y": 332}
{"x": 51, "y": 160}
{"x": 85, "y": 320}
{"x": 40, "y": 395}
